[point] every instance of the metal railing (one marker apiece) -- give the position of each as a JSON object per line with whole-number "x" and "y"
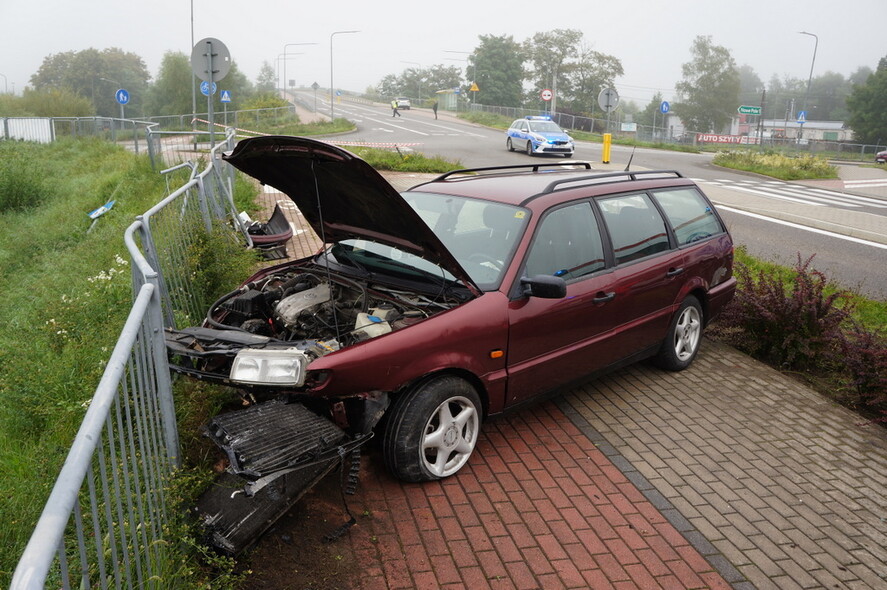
{"x": 106, "y": 521}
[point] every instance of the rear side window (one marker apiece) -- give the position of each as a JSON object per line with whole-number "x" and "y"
{"x": 636, "y": 228}
{"x": 568, "y": 244}
{"x": 689, "y": 213}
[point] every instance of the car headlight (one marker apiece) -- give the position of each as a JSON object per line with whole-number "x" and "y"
{"x": 280, "y": 366}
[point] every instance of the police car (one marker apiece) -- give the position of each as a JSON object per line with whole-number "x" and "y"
{"x": 538, "y": 135}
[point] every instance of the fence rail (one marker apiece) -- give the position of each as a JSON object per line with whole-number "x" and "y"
{"x": 105, "y": 523}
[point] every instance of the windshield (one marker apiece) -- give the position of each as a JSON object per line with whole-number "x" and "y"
{"x": 481, "y": 235}
{"x": 545, "y": 127}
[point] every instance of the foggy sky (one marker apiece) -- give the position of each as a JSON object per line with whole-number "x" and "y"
{"x": 651, "y": 38}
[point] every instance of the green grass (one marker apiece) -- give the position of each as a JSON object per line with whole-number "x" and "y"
{"x": 67, "y": 292}
{"x": 870, "y": 313}
{"x": 776, "y": 165}
{"x": 403, "y": 161}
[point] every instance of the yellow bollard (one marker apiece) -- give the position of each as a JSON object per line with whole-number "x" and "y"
{"x": 608, "y": 140}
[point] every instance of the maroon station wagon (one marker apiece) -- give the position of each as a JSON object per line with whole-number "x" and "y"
{"x": 461, "y": 298}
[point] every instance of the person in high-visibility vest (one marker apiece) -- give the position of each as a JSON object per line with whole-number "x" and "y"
{"x": 394, "y": 111}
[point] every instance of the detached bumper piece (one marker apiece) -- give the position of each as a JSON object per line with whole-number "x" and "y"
{"x": 277, "y": 452}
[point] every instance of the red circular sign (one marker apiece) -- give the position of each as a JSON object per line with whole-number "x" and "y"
{"x": 546, "y": 94}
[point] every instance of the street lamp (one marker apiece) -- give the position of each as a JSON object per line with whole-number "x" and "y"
{"x": 810, "y": 78}
{"x": 467, "y": 55}
{"x": 332, "y": 100}
{"x": 283, "y": 57}
{"x": 284, "y": 63}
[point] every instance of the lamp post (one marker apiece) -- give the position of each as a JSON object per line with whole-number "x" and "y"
{"x": 810, "y": 78}
{"x": 284, "y": 64}
{"x": 332, "y": 98}
{"x": 467, "y": 55}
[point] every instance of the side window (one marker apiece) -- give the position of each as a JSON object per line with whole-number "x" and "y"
{"x": 567, "y": 244}
{"x": 636, "y": 228}
{"x": 689, "y": 214}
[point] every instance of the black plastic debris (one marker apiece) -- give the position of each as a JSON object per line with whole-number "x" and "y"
{"x": 277, "y": 452}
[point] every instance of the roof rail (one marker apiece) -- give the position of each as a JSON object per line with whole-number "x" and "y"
{"x": 609, "y": 177}
{"x": 535, "y": 168}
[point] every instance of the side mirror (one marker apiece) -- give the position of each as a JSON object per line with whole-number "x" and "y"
{"x": 544, "y": 286}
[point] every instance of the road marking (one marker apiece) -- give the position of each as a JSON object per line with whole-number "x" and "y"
{"x": 798, "y": 193}
{"x": 803, "y": 227}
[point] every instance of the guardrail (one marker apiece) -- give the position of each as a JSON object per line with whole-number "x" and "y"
{"x": 105, "y": 523}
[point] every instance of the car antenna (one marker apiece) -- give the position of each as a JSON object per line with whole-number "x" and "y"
{"x": 326, "y": 254}
{"x": 627, "y": 166}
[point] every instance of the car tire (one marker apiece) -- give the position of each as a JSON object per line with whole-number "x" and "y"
{"x": 529, "y": 148}
{"x": 683, "y": 339}
{"x": 509, "y": 145}
{"x": 433, "y": 430}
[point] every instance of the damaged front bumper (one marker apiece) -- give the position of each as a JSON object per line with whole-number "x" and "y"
{"x": 276, "y": 451}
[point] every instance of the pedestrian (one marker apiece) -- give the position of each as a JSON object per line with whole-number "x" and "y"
{"x": 394, "y": 111}
{"x": 434, "y": 108}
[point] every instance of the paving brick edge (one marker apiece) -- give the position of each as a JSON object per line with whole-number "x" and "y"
{"x": 708, "y": 551}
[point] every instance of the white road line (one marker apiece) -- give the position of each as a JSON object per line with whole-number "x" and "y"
{"x": 804, "y": 227}
{"x": 775, "y": 196}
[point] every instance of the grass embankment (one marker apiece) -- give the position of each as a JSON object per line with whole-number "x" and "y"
{"x": 66, "y": 295}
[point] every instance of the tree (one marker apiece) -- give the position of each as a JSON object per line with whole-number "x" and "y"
{"x": 171, "y": 93}
{"x": 96, "y": 75}
{"x": 549, "y": 55}
{"x": 868, "y": 107}
{"x": 750, "y": 86}
{"x": 266, "y": 82}
{"x": 709, "y": 91}
{"x": 497, "y": 68}
{"x": 651, "y": 113}
{"x": 592, "y": 72}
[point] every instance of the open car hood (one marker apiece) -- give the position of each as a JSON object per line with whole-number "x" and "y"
{"x": 341, "y": 196}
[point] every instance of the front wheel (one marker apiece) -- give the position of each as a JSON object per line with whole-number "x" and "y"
{"x": 433, "y": 430}
{"x": 509, "y": 145}
{"x": 529, "y": 148}
{"x": 684, "y": 336}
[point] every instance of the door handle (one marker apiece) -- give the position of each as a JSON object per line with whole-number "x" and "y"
{"x": 673, "y": 272}
{"x": 604, "y": 297}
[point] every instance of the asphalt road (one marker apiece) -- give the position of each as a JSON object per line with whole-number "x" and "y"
{"x": 843, "y": 224}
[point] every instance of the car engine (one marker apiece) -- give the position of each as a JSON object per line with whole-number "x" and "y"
{"x": 331, "y": 308}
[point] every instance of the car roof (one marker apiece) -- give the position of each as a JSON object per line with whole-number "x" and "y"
{"x": 541, "y": 185}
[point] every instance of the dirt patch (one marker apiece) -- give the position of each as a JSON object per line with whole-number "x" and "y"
{"x": 293, "y": 555}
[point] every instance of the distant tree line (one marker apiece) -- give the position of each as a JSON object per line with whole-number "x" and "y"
{"x": 500, "y": 71}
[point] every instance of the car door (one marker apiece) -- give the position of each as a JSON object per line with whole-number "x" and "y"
{"x": 555, "y": 341}
{"x": 649, "y": 272}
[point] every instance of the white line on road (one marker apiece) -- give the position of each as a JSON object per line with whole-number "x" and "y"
{"x": 803, "y": 227}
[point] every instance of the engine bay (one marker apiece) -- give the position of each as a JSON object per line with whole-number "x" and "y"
{"x": 329, "y": 309}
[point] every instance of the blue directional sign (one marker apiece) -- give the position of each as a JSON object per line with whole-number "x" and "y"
{"x": 226, "y": 96}
{"x": 122, "y": 96}
{"x": 205, "y": 90}
{"x": 664, "y": 106}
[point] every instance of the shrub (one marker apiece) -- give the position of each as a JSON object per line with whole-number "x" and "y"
{"x": 865, "y": 354}
{"x": 796, "y": 322}
{"x": 795, "y": 327}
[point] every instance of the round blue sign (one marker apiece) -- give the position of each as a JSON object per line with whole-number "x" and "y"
{"x": 122, "y": 96}
{"x": 205, "y": 88}
{"x": 663, "y": 108}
